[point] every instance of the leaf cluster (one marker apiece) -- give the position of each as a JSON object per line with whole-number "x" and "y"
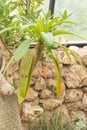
{"x": 28, "y": 26}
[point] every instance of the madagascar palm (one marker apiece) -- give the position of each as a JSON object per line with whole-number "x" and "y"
{"x": 24, "y": 30}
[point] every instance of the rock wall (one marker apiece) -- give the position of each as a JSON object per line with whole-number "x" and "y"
{"x": 41, "y": 96}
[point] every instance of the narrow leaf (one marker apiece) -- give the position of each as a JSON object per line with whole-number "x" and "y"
{"x": 66, "y": 51}
{"x": 76, "y": 57}
{"x": 58, "y": 74}
{"x": 25, "y": 75}
{"x": 10, "y": 28}
{"x": 60, "y": 32}
{"x": 22, "y": 49}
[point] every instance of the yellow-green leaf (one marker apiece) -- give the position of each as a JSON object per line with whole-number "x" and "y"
{"x": 22, "y": 49}
{"x": 58, "y": 74}
{"x": 25, "y": 75}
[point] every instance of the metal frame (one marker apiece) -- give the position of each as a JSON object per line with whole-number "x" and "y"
{"x": 51, "y": 6}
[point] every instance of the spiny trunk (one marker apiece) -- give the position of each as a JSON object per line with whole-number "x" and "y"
{"x": 9, "y": 114}
{"x": 40, "y": 48}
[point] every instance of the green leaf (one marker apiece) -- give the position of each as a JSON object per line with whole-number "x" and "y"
{"x": 59, "y": 32}
{"x": 62, "y": 32}
{"x": 49, "y": 25}
{"x": 22, "y": 49}
{"x": 10, "y": 28}
{"x": 25, "y": 75}
{"x": 76, "y": 56}
{"x": 66, "y": 51}
{"x": 64, "y": 14}
{"x": 58, "y": 74}
{"x": 48, "y": 38}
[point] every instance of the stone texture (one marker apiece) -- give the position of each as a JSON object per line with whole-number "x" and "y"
{"x": 37, "y": 70}
{"x": 51, "y": 84}
{"x": 73, "y": 95}
{"x": 84, "y": 102}
{"x": 31, "y": 95}
{"x": 30, "y": 112}
{"x": 74, "y": 48}
{"x": 50, "y": 104}
{"x": 66, "y": 61}
{"x": 45, "y": 93}
{"x": 25, "y": 126}
{"x": 75, "y": 76}
{"x": 74, "y": 114}
{"x": 64, "y": 111}
{"x": 83, "y": 55}
{"x": 84, "y": 89}
{"x": 33, "y": 81}
{"x": 40, "y": 84}
{"x": 74, "y": 106}
{"x": 50, "y": 71}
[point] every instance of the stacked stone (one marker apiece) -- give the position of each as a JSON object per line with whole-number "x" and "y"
{"x": 41, "y": 96}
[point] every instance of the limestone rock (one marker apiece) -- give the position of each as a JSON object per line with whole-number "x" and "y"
{"x": 31, "y": 95}
{"x": 50, "y": 72}
{"x": 50, "y": 104}
{"x": 66, "y": 60}
{"x": 45, "y": 93}
{"x": 73, "y": 95}
{"x": 30, "y": 112}
{"x": 74, "y": 48}
{"x": 84, "y": 102}
{"x": 40, "y": 84}
{"x": 84, "y": 89}
{"x": 36, "y": 73}
{"x": 51, "y": 84}
{"x": 33, "y": 80}
{"x": 74, "y": 106}
{"x": 75, "y": 76}
{"x": 25, "y": 125}
{"x": 64, "y": 111}
{"x": 75, "y": 114}
{"x": 37, "y": 70}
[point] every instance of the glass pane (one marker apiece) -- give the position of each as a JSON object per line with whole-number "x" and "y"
{"x": 78, "y": 8}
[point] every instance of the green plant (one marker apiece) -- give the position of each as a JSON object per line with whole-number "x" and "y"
{"x": 42, "y": 31}
{"x": 56, "y": 122}
{"x": 81, "y": 122}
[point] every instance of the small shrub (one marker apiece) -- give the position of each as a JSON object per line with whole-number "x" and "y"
{"x": 56, "y": 122}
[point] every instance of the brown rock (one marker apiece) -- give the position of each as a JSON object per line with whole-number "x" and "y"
{"x": 73, "y": 95}
{"x": 66, "y": 61}
{"x": 31, "y": 95}
{"x": 74, "y": 114}
{"x": 30, "y": 112}
{"x": 64, "y": 111}
{"x": 25, "y": 125}
{"x": 50, "y": 104}
{"x": 84, "y": 89}
{"x": 74, "y": 106}
{"x": 50, "y": 71}
{"x": 33, "y": 81}
{"x": 83, "y": 54}
{"x": 37, "y": 70}
{"x": 75, "y": 76}
{"x": 84, "y": 102}
{"x": 40, "y": 84}
{"x": 74, "y": 48}
{"x": 1, "y": 59}
{"x": 51, "y": 84}
{"x": 45, "y": 93}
